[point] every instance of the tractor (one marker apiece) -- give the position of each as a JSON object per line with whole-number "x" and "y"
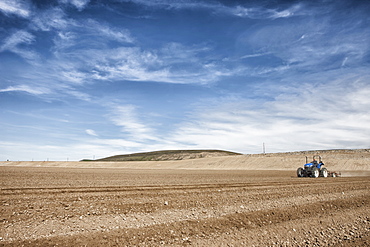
{"x": 313, "y": 169}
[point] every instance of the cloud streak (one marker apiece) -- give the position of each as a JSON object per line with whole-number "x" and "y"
{"x": 27, "y": 89}
{"x": 126, "y": 117}
{"x": 15, "y": 43}
{"x": 14, "y": 7}
{"x": 91, "y": 132}
{"x": 51, "y": 19}
{"x": 135, "y": 64}
{"x": 79, "y": 4}
{"x": 219, "y": 8}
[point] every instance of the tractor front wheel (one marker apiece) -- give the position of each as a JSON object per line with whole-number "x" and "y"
{"x": 315, "y": 172}
{"x": 324, "y": 173}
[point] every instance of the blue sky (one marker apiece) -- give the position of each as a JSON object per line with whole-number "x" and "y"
{"x": 89, "y": 79}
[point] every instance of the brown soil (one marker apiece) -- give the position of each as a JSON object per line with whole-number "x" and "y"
{"x": 64, "y": 206}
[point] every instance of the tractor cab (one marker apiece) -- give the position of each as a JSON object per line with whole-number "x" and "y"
{"x": 316, "y": 162}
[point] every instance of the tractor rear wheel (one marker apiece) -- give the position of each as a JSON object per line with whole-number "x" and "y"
{"x": 315, "y": 172}
{"x": 324, "y": 173}
{"x": 300, "y": 172}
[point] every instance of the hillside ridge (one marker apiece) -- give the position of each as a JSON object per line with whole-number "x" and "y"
{"x": 164, "y": 155}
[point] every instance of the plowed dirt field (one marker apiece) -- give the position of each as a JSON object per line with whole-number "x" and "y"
{"x": 50, "y": 206}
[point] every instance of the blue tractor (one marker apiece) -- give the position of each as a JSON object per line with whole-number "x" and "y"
{"x": 313, "y": 169}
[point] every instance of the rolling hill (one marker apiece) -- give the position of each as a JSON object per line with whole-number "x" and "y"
{"x": 168, "y": 155}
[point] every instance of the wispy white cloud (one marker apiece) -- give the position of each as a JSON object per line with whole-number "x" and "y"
{"x": 87, "y": 35}
{"x": 262, "y": 13}
{"x": 174, "y": 63}
{"x": 128, "y": 63}
{"x": 79, "y": 4}
{"x": 17, "y": 43}
{"x": 126, "y": 117}
{"x": 104, "y": 30}
{"x": 63, "y": 40}
{"x": 51, "y": 19}
{"x": 217, "y": 7}
{"x": 294, "y": 10}
{"x": 27, "y": 89}
{"x": 73, "y": 76}
{"x": 91, "y": 132}
{"x": 76, "y": 94}
{"x": 15, "y": 7}
{"x": 255, "y": 55}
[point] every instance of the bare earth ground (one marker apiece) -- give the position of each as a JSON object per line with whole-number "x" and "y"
{"x": 206, "y": 204}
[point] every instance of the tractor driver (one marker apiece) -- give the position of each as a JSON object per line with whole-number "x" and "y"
{"x": 314, "y": 162}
